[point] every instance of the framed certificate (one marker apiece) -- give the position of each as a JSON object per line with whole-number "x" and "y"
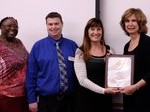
{"x": 119, "y": 70}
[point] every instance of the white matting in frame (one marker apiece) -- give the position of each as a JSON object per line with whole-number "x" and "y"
{"x": 119, "y": 70}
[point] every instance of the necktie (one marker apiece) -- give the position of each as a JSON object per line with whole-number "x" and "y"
{"x": 62, "y": 68}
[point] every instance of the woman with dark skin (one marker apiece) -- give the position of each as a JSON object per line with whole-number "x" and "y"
{"x": 13, "y": 59}
{"x": 137, "y": 96}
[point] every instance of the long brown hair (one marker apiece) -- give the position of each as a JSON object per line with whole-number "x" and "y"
{"x": 86, "y": 45}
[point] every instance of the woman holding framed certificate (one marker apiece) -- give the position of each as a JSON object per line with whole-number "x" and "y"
{"x": 89, "y": 66}
{"x": 137, "y": 96}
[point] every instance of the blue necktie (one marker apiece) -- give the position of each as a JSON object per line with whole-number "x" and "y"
{"x": 62, "y": 68}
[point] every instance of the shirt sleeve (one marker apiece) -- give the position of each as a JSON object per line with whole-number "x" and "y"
{"x": 31, "y": 78}
{"x": 81, "y": 73}
{"x": 146, "y": 60}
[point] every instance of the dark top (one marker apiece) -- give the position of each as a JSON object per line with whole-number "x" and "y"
{"x": 87, "y": 100}
{"x": 140, "y": 100}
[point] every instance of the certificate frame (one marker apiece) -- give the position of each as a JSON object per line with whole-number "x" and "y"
{"x": 119, "y": 70}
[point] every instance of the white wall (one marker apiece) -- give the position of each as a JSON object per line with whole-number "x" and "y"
{"x": 111, "y": 12}
{"x": 31, "y": 17}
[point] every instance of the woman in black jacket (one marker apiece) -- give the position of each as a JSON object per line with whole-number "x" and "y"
{"x": 137, "y": 96}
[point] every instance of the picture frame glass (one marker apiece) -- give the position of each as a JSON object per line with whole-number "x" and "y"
{"x": 119, "y": 70}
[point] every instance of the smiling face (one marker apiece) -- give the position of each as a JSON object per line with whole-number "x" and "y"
{"x": 134, "y": 21}
{"x": 95, "y": 34}
{"x": 54, "y": 27}
{"x": 131, "y": 25}
{"x": 9, "y": 29}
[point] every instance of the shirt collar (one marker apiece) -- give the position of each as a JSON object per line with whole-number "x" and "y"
{"x": 53, "y": 41}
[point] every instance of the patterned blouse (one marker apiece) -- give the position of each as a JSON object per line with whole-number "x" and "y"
{"x": 13, "y": 62}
